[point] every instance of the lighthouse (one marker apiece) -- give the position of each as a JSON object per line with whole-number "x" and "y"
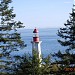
{"x": 36, "y": 44}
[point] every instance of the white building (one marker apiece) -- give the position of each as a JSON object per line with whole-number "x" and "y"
{"x": 36, "y": 44}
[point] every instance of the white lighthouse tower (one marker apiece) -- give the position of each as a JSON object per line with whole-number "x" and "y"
{"x": 36, "y": 44}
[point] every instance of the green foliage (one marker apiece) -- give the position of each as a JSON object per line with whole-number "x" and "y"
{"x": 68, "y": 40}
{"x": 10, "y": 39}
{"x": 29, "y": 65}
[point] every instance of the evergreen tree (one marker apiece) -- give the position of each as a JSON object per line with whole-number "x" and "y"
{"x": 10, "y": 39}
{"x": 30, "y": 66}
{"x": 67, "y": 34}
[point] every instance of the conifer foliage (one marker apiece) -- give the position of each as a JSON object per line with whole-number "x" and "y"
{"x": 10, "y": 39}
{"x": 67, "y": 59}
{"x": 29, "y": 65}
{"x": 68, "y": 33}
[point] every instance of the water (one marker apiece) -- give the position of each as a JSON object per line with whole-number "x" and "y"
{"x": 47, "y": 36}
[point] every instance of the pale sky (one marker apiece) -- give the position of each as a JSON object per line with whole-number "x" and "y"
{"x": 42, "y": 13}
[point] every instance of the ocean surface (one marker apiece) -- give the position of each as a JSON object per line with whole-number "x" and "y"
{"x": 48, "y": 36}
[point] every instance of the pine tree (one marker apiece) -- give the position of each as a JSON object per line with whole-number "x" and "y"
{"x": 29, "y": 65}
{"x": 10, "y": 39}
{"x": 67, "y": 34}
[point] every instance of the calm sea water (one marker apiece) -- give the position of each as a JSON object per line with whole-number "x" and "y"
{"x": 48, "y": 37}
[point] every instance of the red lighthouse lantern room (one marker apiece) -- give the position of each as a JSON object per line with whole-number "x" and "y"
{"x": 36, "y": 36}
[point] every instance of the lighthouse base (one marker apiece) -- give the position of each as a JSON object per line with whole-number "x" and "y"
{"x": 36, "y": 48}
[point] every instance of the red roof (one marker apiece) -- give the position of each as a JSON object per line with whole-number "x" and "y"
{"x": 35, "y": 30}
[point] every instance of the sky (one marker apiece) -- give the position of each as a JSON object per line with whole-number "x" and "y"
{"x": 42, "y": 13}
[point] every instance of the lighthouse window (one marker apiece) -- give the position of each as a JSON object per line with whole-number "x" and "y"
{"x": 35, "y": 35}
